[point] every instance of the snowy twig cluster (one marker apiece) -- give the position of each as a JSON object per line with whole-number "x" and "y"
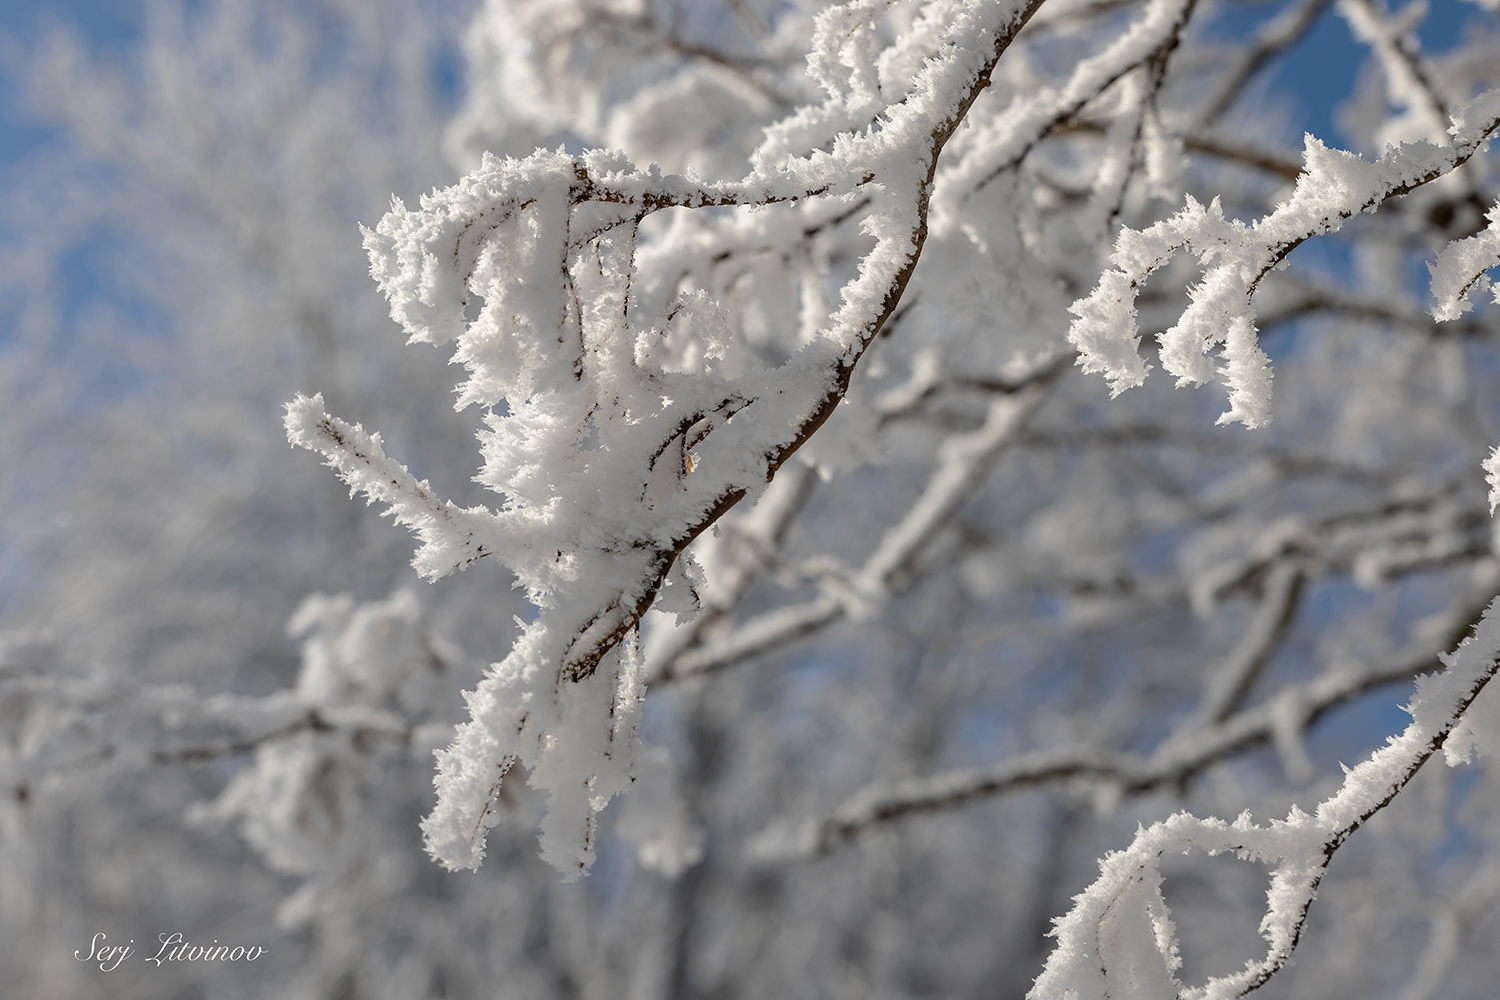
{"x": 611, "y": 462}
{"x": 620, "y": 424}
{"x": 1335, "y": 185}
{"x": 824, "y": 548}
{"x": 1119, "y": 939}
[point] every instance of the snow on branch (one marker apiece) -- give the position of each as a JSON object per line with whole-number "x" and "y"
{"x": 1463, "y": 265}
{"x": 1004, "y": 140}
{"x": 962, "y": 464}
{"x": 1195, "y": 745}
{"x": 1334, "y": 186}
{"x": 452, "y": 537}
{"x": 1492, "y": 477}
{"x": 1119, "y": 941}
{"x": 609, "y": 460}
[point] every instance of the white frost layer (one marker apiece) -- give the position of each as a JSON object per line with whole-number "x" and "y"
{"x": 608, "y": 461}
{"x": 1334, "y": 186}
{"x": 1461, "y": 267}
{"x": 1103, "y": 950}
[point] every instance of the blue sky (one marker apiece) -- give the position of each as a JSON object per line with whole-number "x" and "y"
{"x": 1322, "y": 70}
{"x": 1318, "y": 76}
{"x": 107, "y": 24}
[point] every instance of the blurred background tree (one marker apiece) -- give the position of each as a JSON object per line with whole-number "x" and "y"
{"x": 1121, "y": 611}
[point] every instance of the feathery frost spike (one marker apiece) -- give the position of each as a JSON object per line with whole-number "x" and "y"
{"x": 1462, "y": 267}
{"x": 1334, "y": 186}
{"x": 1103, "y": 950}
{"x": 1492, "y": 477}
{"x": 610, "y": 461}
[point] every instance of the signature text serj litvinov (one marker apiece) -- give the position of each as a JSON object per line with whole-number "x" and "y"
{"x": 173, "y": 949}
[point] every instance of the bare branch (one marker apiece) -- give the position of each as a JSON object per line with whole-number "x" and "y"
{"x": 963, "y": 464}
{"x": 1190, "y": 749}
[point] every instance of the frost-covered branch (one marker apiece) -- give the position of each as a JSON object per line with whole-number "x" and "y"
{"x": 593, "y": 530}
{"x": 1193, "y": 747}
{"x": 962, "y": 464}
{"x": 845, "y": 276}
{"x": 448, "y": 532}
{"x": 748, "y": 546}
{"x": 1335, "y": 186}
{"x": 1462, "y": 266}
{"x": 1005, "y": 139}
{"x": 1119, "y": 938}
